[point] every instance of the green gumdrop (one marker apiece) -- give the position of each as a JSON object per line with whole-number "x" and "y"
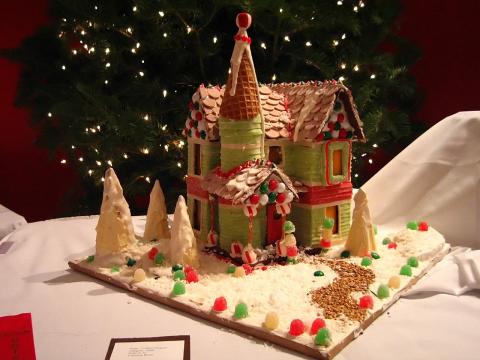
{"x": 114, "y": 268}
{"x": 349, "y": 134}
{"x": 231, "y": 269}
{"x": 337, "y": 126}
{"x": 177, "y": 267}
{"x": 323, "y": 337}
{"x": 328, "y": 223}
{"x": 159, "y": 259}
{"x": 90, "y": 258}
{"x": 178, "y": 288}
{"x": 179, "y": 275}
{"x": 272, "y": 197}
{"x": 241, "y": 311}
{"x": 406, "y": 270}
{"x": 386, "y": 241}
{"x": 264, "y": 188}
{"x": 318, "y": 273}
{"x": 412, "y": 261}
{"x": 131, "y": 262}
{"x": 366, "y": 261}
{"x": 375, "y": 229}
{"x": 327, "y": 135}
{"x": 383, "y": 291}
{"x": 412, "y": 225}
{"x": 345, "y": 254}
{"x": 375, "y": 255}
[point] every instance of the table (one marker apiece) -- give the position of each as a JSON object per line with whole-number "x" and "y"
{"x": 75, "y": 316}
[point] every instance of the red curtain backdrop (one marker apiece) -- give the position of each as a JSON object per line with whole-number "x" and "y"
{"x": 446, "y": 31}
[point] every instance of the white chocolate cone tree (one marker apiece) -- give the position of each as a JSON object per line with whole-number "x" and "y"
{"x": 183, "y": 245}
{"x": 156, "y": 226}
{"x": 361, "y": 238}
{"x": 114, "y": 228}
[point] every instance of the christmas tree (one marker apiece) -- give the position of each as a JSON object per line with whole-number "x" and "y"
{"x": 109, "y": 82}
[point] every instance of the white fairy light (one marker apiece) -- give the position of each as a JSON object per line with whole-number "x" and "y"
{"x": 107, "y": 65}
{"x": 356, "y": 68}
{"x": 355, "y": 8}
{"x": 90, "y": 172}
{"x": 341, "y": 78}
{"x": 164, "y": 127}
{"x": 343, "y": 66}
{"x": 274, "y": 77}
{"x": 96, "y": 150}
{"x": 362, "y": 4}
{"x": 215, "y": 39}
{"x": 356, "y": 175}
{"x": 107, "y": 51}
{"x": 137, "y": 45}
{"x": 73, "y": 146}
{"x": 363, "y": 155}
{"x": 189, "y": 29}
{"x": 165, "y": 35}
{"x": 166, "y": 147}
{"x": 370, "y": 161}
{"x": 133, "y": 50}
{"x": 375, "y": 145}
{"x": 339, "y": 2}
{"x": 141, "y": 73}
{"x": 109, "y": 162}
{"x": 179, "y": 164}
{"x": 129, "y": 30}
{"x": 372, "y": 76}
{"x": 146, "y": 117}
{"x": 63, "y": 161}
{"x": 74, "y": 52}
{"x": 308, "y": 44}
{"x": 106, "y": 82}
{"x": 145, "y": 151}
{"x": 82, "y": 32}
{"x": 90, "y": 24}
{"x": 134, "y": 9}
{"x": 344, "y": 36}
{"x": 99, "y": 163}
{"x": 64, "y": 67}
{"x": 143, "y": 61}
{"x": 125, "y": 156}
{"x": 165, "y": 92}
{"x": 95, "y": 7}
{"x": 229, "y": 71}
{"x": 91, "y": 50}
{"x": 181, "y": 144}
{"x": 263, "y": 45}
{"x": 80, "y": 159}
{"x": 103, "y": 179}
{"x": 281, "y": 10}
{"x": 49, "y": 114}
{"x": 161, "y": 13}
{"x": 147, "y": 179}
{"x": 335, "y": 43}
{"x": 286, "y": 38}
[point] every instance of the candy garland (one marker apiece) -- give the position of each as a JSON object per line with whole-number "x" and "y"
{"x": 338, "y": 125}
{"x": 195, "y": 123}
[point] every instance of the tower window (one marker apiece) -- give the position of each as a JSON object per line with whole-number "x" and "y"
{"x": 332, "y": 212}
{"x": 275, "y": 154}
{"x": 337, "y": 167}
{"x": 197, "y": 214}
{"x": 197, "y": 168}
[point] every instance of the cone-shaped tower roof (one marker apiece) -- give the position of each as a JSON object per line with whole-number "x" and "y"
{"x": 241, "y": 100}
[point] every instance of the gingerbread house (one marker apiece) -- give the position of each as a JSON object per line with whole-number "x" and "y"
{"x": 259, "y": 154}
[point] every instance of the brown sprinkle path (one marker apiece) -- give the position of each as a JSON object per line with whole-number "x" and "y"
{"x": 336, "y": 298}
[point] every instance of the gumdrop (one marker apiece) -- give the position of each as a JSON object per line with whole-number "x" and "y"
{"x": 423, "y": 226}
{"x": 264, "y": 188}
{"x": 366, "y": 261}
{"x": 412, "y": 261}
{"x": 317, "y": 324}
{"x": 139, "y": 275}
{"x": 177, "y": 267}
{"x": 375, "y": 255}
{"x": 272, "y": 197}
{"x": 325, "y": 243}
{"x": 323, "y": 337}
{"x": 365, "y": 302}
{"x": 297, "y": 327}
{"x": 90, "y": 258}
{"x": 406, "y": 270}
{"x": 114, "y": 268}
{"x": 248, "y": 269}
{"x": 178, "y": 288}
{"x": 179, "y": 275}
{"x": 239, "y": 271}
{"x": 412, "y": 225}
{"x": 292, "y": 251}
{"x": 220, "y": 304}
{"x": 392, "y": 245}
{"x": 231, "y": 269}
{"x": 318, "y": 273}
{"x": 241, "y": 311}
{"x": 131, "y": 262}
{"x": 271, "y": 321}
{"x": 386, "y": 241}
{"x": 187, "y": 269}
{"x": 152, "y": 253}
{"x": 383, "y": 292}
{"x": 191, "y": 276}
{"x": 159, "y": 259}
{"x": 345, "y": 254}
{"x": 394, "y": 282}
{"x": 328, "y": 223}
{"x": 272, "y": 185}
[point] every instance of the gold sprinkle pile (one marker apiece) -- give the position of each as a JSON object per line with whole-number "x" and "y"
{"x": 336, "y": 299}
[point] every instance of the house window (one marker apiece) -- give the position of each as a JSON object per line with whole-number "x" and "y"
{"x": 197, "y": 214}
{"x": 275, "y": 154}
{"x": 332, "y": 212}
{"x": 337, "y": 166}
{"x": 197, "y": 169}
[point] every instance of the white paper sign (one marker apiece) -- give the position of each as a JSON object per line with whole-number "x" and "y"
{"x": 165, "y": 348}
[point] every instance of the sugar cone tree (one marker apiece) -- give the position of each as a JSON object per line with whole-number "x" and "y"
{"x": 183, "y": 244}
{"x": 361, "y": 238}
{"x": 156, "y": 226}
{"x": 114, "y": 227}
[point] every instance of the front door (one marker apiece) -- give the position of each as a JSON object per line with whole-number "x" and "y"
{"x": 274, "y": 225}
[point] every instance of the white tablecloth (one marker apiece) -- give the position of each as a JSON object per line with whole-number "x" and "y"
{"x": 74, "y": 316}
{"x": 9, "y": 221}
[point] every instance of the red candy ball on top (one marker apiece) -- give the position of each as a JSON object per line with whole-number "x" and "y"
{"x": 297, "y": 327}
{"x": 254, "y": 199}
{"x": 423, "y": 226}
{"x": 272, "y": 185}
{"x": 281, "y": 198}
{"x": 317, "y": 324}
{"x": 244, "y": 20}
{"x": 220, "y": 304}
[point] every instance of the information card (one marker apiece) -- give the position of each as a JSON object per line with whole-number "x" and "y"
{"x": 161, "y": 348}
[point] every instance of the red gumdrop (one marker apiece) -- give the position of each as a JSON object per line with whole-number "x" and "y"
{"x": 342, "y": 134}
{"x": 340, "y": 117}
{"x": 392, "y": 245}
{"x": 320, "y": 137}
{"x": 296, "y": 327}
{"x": 198, "y": 116}
{"x": 317, "y": 324}
{"x": 254, "y": 199}
{"x": 152, "y": 253}
{"x": 248, "y": 268}
{"x": 423, "y": 226}
{"x": 191, "y": 276}
{"x": 264, "y": 268}
{"x": 366, "y": 302}
{"x": 187, "y": 269}
{"x": 331, "y": 126}
{"x": 292, "y": 251}
{"x": 325, "y": 243}
{"x": 190, "y": 105}
{"x": 272, "y": 184}
{"x": 220, "y": 304}
{"x": 191, "y": 123}
{"x": 281, "y": 198}
{"x": 197, "y": 133}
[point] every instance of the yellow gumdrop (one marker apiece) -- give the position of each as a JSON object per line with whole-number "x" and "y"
{"x": 271, "y": 321}
{"x": 239, "y": 271}
{"x": 394, "y": 282}
{"x": 139, "y": 275}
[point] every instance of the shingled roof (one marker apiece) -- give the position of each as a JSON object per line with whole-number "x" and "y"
{"x": 240, "y": 185}
{"x": 301, "y": 111}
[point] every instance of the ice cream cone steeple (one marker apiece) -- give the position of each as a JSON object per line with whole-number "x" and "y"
{"x": 241, "y": 125}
